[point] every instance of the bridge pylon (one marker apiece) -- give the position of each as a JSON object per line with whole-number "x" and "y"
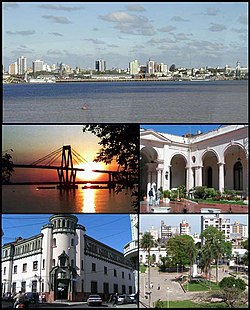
{"x": 66, "y": 172}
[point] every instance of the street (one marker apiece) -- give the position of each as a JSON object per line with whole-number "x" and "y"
{"x": 68, "y": 304}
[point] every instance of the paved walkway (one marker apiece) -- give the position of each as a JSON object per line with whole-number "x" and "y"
{"x": 190, "y": 207}
{"x": 164, "y": 286}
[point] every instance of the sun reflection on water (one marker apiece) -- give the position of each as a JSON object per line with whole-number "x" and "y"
{"x": 89, "y": 200}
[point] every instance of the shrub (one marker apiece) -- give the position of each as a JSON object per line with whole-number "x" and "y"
{"x": 210, "y": 192}
{"x": 166, "y": 193}
{"x": 230, "y": 282}
{"x": 182, "y": 191}
{"x": 199, "y": 192}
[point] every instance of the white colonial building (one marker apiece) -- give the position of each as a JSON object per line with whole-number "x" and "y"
{"x": 65, "y": 263}
{"x": 217, "y": 159}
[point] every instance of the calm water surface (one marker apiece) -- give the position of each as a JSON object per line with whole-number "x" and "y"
{"x": 135, "y": 102}
{"x": 27, "y": 199}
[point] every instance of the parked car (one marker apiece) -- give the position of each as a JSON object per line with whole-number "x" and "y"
{"x": 94, "y": 300}
{"x": 123, "y": 299}
{"x": 132, "y": 298}
{"x": 31, "y": 297}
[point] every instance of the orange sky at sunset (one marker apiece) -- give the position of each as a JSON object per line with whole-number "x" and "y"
{"x": 32, "y": 142}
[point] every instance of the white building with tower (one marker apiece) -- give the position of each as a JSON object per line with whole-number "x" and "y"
{"x": 217, "y": 159}
{"x": 65, "y": 263}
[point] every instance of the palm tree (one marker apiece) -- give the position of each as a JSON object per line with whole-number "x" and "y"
{"x": 192, "y": 253}
{"x": 147, "y": 242}
{"x": 214, "y": 247}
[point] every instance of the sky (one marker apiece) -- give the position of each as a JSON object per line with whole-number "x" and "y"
{"x": 180, "y": 130}
{"x": 147, "y": 221}
{"x": 187, "y": 34}
{"x": 111, "y": 229}
{"x": 32, "y": 142}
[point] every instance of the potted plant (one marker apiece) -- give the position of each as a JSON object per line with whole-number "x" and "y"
{"x": 166, "y": 195}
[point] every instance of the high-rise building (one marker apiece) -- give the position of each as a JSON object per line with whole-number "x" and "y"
{"x": 134, "y": 67}
{"x": 37, "y": 65}
{"x": 238, "y": 228}
{"x": 185, "y": 229}
{"x": 21, "y": 65}
{"x": 150, "y": 67}
{"x": 168, "y": 231}
{"x": 13, "y": 69}
{"x": 100, "y": 65}
{"x": 217, "y": 221}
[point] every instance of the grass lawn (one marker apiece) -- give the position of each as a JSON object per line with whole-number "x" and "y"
{"x": 191, "y": 304}
{"x": 142, "y": 268}
{"x": 201, "y": 286}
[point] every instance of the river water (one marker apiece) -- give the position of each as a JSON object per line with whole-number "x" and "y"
{"x": 29, "y": 199}
{"x": 127, "y": 102}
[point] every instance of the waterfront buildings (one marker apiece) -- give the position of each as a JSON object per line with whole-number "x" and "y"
{"x": 217, "y": 159}
{"x": 65, "y": 263}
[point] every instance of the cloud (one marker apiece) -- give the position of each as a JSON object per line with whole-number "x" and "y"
{"x": 60, "y": 7}
{"x": 179, "y": 19}
{"x": 156, "y": 41}
{"x": 95, "y": 29}
{"x": 113, "y": 45}
{"x": 130, "y": 23}
{"x": 54, "y": 52}
{"x": 10, "y": 5}
{"x": 57, "y": 19}
{"x": 243, "y": 19}
{"x": 239, "y": 30}
{"x": 168, "y": 28}
{"x": 57, "y": 34}
{"x": 182, "y": 36}
{"x": 95, "y": 41}
{"x": 22, "y": 32}
{"x": 211, "y": 11}
{"x": 216, "y": 27}
{"x": 135, "y": 8}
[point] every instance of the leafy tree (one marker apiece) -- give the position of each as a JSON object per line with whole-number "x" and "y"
{"x": 245, "y": 244}
{"x": 181, "y": 249}
{"x": 232, "y": 291}
{"x": 165, "y": 263}
{"x": 215, "y": 248}
{"x": 7, "y": 168}
{"x": 120, "y": 142}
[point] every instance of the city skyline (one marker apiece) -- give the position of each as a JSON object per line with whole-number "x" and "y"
{"x": 113, "y": 230}
{"x": 210, "y": 34}
{"x": 147, "y": 221}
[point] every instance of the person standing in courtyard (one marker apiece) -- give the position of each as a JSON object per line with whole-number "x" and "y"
{"x": 151, "y": 195}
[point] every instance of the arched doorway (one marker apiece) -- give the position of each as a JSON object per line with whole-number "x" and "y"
{"x": 210, "y": 173}
{"x": 235, "y": 168}
{"x": 177, "y": 171}
{"x": 238, "y": 176}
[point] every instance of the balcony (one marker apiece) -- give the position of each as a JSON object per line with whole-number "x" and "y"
{"x": 131, "y": 249}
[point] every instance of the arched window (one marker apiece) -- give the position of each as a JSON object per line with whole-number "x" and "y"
{"x": 238, "y": 176}
{"x": 54, "y": 242}
{"x": 63, "y": 223}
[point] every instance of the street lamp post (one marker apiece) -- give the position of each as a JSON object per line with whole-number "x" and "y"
{"x": 177, "y": 270}
{"x": 167, "y": 297}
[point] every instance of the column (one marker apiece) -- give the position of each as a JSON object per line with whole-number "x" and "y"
{"x": 189, "y": 178}
{"x": 221, "y": 177}
{"x": 198, "y": 177}
{"x": 159, "y": 177}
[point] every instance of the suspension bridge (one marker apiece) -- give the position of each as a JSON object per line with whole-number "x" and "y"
{"x": 67, "y": 170}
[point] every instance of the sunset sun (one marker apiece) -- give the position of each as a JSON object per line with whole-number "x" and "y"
{"x": 89, "y": 174}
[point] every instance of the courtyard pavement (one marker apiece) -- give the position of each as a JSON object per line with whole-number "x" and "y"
{"x": 188, "y": 206}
